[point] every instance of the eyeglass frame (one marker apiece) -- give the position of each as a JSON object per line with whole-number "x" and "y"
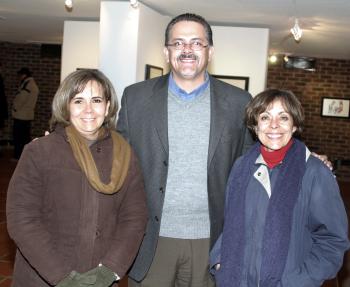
{"x": 190, "y": 44}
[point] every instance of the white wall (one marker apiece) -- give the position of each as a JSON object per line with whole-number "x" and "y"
{"x": 131, "y": 38}
{"x": 241, "y": 52}
{"x": 119, "y": 43}
{"x": 151, "y": 38}
{"x": 80, "y": 47}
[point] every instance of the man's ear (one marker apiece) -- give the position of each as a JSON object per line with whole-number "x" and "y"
{"x": 210, "y": 53}
{"x": 166, "y": 54}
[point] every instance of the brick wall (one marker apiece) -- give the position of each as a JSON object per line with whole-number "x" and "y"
{"x": 324, "y": 135}
{"x": 46, "y": 72}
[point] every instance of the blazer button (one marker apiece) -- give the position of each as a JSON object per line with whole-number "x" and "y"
{"x": 161, "y": 189}
{"x": 156, "y": 218}
{"x": 98, "y": 149}
{"x": 165, "y": 163}
{"x": 97, "y": 233}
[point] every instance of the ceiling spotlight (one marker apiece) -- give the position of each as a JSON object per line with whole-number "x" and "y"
{"x": 286, "y": 58}
{"x": 296, "y": 31}
{"x": 273, "y": 59}
{"x": 134, "y": 3}
{"x": 68, "y": 4}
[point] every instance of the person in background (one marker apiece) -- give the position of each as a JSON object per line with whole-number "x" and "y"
{"x": 285, "y": 222}
{"x": 187, "y": 129}
{"x": 23, "y": 110}
{"x": 76, "y": 206}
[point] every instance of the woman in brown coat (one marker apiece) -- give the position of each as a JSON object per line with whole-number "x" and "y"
{"x": 76, "y": 206}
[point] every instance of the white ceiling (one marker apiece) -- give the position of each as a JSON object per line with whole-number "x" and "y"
{"x": 325, "y": 23}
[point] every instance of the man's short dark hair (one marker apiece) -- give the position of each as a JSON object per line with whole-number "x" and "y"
{"x": 191, "y": 18}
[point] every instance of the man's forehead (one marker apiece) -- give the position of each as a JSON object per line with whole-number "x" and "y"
{"x": 188, "y": 29}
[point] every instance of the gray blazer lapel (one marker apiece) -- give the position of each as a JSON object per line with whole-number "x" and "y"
{"x": 218, "y": 117}
{"x": 160, "y": 111}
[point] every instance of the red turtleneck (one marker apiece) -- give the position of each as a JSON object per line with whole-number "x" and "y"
{"x": 273, "y": 158}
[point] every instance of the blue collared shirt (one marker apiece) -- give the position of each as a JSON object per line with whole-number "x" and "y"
{"x": 176, "y": 90}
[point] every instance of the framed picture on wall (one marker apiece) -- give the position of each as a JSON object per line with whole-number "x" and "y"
{"x": 240, "y": 82}
{"x": 153, "y": 71}
{"x": 92, "y": 69}
{"x": 335, "y": 107}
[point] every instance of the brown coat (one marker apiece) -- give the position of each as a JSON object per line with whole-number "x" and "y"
{"x": 60, "y": 223}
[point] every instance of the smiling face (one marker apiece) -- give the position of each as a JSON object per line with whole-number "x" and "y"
{"x": 275, "y": 126}
{"x": 88, "y": 110}
{"x": 187, "y": 64}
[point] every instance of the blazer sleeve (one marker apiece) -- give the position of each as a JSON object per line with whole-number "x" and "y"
{"x": 132, "y": 220}
{"x": 328, "y": 226}
{"x": 215, "y": 255}
{"x": 24, "y": 217}
{"x": 248, "y": 141}
{"x": 122, "y": 124}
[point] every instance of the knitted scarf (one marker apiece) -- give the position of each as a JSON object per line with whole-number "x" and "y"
{"x": 276, "y": 237}
{"x": 121, "y": 160}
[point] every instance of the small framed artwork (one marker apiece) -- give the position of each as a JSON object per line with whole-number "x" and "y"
{"x": 240, "y": 82}
{"x": 153, "y": 71}
{"x": 335, "y": 107}
{"x": 92, "y": 69}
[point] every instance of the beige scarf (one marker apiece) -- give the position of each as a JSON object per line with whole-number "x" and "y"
{"x": 121, "y": 160}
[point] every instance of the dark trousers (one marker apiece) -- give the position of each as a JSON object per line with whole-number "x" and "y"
{"x": 178, "y": 263}
{"x": 21, "y": 136}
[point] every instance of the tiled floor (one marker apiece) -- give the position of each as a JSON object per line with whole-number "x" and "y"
{"x": 7, "y": 247}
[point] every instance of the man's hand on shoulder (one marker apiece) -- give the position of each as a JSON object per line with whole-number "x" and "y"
{"x": 45, "y": 134}
{"x": 324, "y": 159}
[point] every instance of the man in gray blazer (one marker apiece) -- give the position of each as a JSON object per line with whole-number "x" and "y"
{"x": 187, "y": 129}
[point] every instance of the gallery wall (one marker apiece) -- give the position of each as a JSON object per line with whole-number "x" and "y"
{"x": 80, "y": 48}
{"x": 241, "y": 52}
{"x": 131, "y": 38}
{"x": 331, "y": 79}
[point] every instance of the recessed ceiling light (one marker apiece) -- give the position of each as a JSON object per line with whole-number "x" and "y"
{"x": 273, "y": 59}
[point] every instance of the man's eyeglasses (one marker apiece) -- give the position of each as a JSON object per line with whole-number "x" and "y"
{"x": 193, "y": 45}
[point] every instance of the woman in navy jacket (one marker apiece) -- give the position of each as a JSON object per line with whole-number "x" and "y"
{"x": 285, "y": 222}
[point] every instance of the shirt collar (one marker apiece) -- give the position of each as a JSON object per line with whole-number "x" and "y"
{"x": 176, "y": 90}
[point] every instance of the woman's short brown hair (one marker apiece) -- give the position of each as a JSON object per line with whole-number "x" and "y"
{"x": 263, "y": 100}
{"x": 74, "y": 84}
